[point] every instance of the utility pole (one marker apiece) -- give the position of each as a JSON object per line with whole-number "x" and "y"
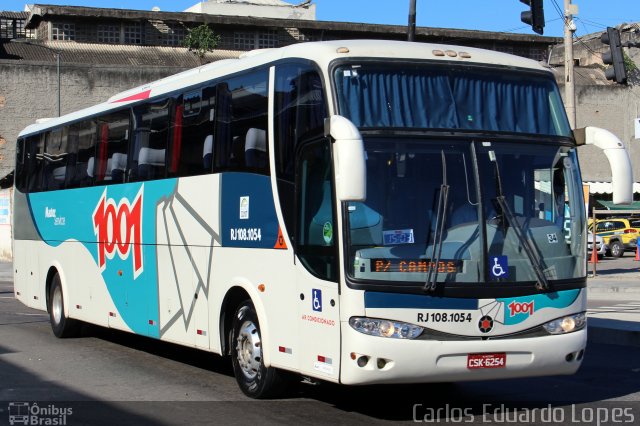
{"x": 411, "y": 28}
{"x": 569, "y": 84}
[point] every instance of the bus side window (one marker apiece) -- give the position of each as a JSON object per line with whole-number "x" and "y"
{"x": 109, "y": 164}
{"x": 222, "y": 145}
{"x": 241, "y": 138}
{"x": 192, "y": 131}
{"x": 82, "y": 146}
{"x": 56, "y": 156}
{"x": 22, "y": 166}
{"x": 35, "y": 162}
{"x": 151, "y": 132}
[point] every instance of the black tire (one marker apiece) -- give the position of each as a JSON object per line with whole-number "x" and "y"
{"x": 61, "y": 325}
{"x": 617, "y": 249}
{"x": 255, "y": 380}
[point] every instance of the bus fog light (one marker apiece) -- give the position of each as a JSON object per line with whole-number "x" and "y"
{"x": 362, "y": 361}
{"x": 566, "y": 324}
{"x": 385, "y": 328}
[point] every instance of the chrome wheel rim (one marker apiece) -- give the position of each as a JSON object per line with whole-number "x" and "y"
{"x": 56, "y": 305}
{"x": 616, "y": 250}
{"x": 249, "y": 350}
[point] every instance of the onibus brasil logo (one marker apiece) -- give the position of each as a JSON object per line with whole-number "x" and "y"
{"x": 118, "y": 228}
{"x": 26, "y": 413}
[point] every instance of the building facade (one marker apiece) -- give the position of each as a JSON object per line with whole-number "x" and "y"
{"x": 603, "y": 103}
{"x": 262, "y": 8}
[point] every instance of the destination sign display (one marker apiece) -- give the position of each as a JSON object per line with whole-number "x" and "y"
{"x": 445, "y": 266}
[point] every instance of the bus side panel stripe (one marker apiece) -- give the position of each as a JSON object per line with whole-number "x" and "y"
{"x": 413, "y": 301}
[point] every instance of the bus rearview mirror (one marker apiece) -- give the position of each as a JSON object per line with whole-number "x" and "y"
{"x": 349, "y": 159}
{"x": 619, "y": 161}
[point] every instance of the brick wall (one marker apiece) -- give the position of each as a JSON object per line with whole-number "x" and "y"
{"x": 28, "y": 91}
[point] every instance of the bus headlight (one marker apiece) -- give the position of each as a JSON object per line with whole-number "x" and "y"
{"x": 566, "y": 324}
{"x": 385, "y": 328}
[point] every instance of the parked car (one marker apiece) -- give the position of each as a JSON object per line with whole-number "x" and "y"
{"x": 619, "y": 234}
{"x": 601, "y": 247}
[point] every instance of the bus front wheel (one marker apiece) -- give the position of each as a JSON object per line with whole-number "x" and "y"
{"x": 255, "y": 380}
{"x": 61, "y": 325}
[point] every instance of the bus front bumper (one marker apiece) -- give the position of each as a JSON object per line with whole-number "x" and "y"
{"x": 391, "y": 360}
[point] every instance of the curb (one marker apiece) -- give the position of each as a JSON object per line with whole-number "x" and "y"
{"x": 613, "y": 332}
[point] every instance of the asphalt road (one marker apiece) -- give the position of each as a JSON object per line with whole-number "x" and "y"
{"x": 616, "y": 268}
{"x": 107, "y": 377}
{"x": 616, "y": 286}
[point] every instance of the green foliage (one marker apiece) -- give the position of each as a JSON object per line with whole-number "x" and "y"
{"x": 633, "y": 73}
{"x": 629, "y": 65}
{"x": 201, "y": 40}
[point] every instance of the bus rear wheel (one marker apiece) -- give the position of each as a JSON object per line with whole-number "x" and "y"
{"x": 255, "y": 380}
{"x": 61, "y": 325}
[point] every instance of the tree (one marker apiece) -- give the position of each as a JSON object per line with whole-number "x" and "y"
{"x": 201, "y": 40}
{"x": 633, "y": 73}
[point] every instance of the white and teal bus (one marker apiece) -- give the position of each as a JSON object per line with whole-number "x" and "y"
{"x": 349, "y": 211}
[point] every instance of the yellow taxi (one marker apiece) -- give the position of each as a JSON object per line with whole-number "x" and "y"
{"x": 619, "y": 234}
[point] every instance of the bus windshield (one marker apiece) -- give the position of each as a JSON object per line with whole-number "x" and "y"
{"x": 490, "y": 208}
{"x": 427, "y": 96}
{"x": 472, "y": 212}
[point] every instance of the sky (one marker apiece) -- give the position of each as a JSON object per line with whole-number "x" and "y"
{"x": 486, "y": 15}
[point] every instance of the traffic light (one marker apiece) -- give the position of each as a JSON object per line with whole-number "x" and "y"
{"x": 534, "y": 16}
{"x": 614, "y": 56}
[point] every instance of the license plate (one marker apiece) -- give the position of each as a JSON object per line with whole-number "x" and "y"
{"x": 497, "y": 360}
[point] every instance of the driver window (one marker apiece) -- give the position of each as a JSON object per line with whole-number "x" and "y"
{"x": 316, "y": 238}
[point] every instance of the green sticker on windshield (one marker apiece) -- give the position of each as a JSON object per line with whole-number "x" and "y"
{"x": 327, "y": 232}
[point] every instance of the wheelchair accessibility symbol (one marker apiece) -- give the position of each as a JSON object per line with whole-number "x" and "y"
{"x": 499, "y": 266}
{"x": 317, "y": 299}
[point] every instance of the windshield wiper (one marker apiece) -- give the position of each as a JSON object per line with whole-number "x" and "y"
{"x": 526, "y": 241}
{"x": 441, "y": 218}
